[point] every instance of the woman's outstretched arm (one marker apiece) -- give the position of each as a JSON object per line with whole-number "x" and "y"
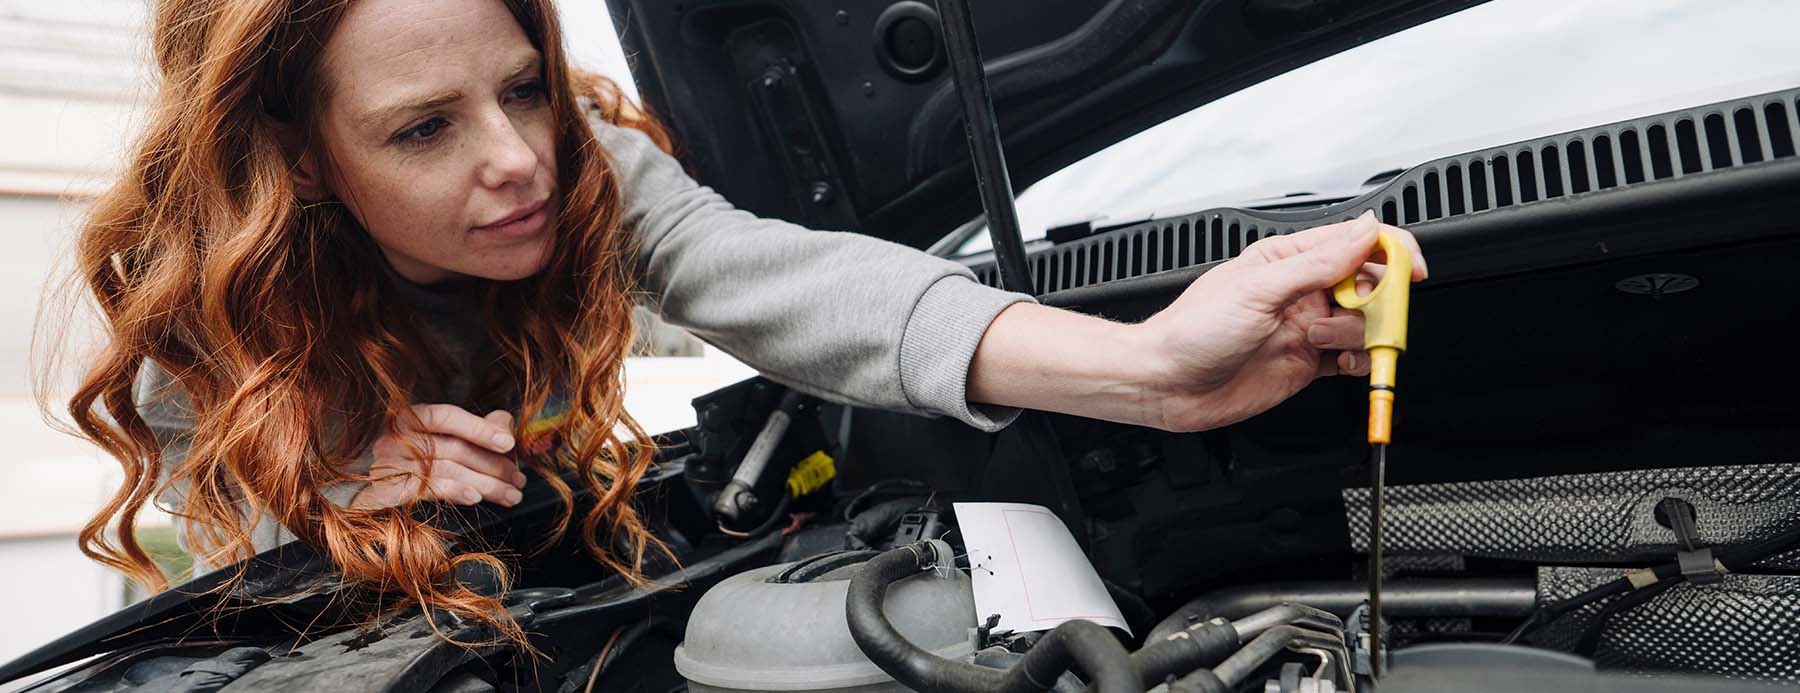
{"x": 1239, "y": 340}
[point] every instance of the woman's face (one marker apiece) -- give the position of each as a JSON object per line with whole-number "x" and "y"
{"x": 440, "y": 137}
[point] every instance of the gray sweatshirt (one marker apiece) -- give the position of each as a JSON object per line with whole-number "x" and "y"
{"x": 849, "y": 318}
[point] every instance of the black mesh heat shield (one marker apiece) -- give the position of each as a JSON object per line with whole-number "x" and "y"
{"x": 1605, "y": 517}
{"x": 1747, "y": 626}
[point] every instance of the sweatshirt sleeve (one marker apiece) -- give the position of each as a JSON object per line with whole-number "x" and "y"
{"x": 843, "y": 316}
{"x": 168, "y": 413}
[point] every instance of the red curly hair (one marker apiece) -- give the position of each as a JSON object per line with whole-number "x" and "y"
{"x": 274, "y": 319}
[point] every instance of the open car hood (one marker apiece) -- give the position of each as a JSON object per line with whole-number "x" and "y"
{"x": 844, "y": 115}
{"x": 1594, "y": 340}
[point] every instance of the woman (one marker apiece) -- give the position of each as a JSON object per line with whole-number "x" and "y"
{"x": 368, "y": 254}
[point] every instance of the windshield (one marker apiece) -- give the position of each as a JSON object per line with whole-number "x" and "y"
{"x": 1497, "y": 73}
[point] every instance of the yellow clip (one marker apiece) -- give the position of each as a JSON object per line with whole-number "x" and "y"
{"x": 1384, "y": 312}
{"x": 811, "y": 473}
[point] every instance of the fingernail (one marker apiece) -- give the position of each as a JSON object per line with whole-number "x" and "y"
{"x": 519, "y": 480}
{"x": 1360, "y": 228}
{"x": 513, "y": 496}
{"x": 503, "y": 441}
{"x": 471, "y": 497}
{"x": 1368, "y": 214}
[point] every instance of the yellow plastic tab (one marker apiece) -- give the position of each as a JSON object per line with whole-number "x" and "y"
{"x": 811, "y": 473}
{"x": 1385, "y": 307}
{"x": 1384, "y": 335}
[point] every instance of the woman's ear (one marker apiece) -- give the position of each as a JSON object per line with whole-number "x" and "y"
{"x": 303, "y": 165}
{"x": 308, "y": 185}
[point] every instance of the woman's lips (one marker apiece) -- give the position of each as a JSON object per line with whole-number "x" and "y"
{"x": 520, "y": 225}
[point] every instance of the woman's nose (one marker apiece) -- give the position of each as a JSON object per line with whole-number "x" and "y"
{"x": 508, "y": 158}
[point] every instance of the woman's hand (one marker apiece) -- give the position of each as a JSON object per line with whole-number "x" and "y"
{"x": 1253, "y": 331}
{"x": 1239, "y": 340}
{"x": 466, "y": 461}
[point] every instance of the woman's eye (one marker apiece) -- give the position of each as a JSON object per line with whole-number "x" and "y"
{"x": 421, "y": 132}
{"x": 527, "y": 92}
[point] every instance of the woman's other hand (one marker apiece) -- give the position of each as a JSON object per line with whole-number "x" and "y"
{"x": 461, "y": 457}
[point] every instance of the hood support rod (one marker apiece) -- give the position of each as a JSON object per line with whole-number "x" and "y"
{"x": 983, "y": 130}
{"x": 985, "y": 153}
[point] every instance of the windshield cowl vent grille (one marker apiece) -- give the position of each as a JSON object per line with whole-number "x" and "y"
{"x": 1593, "y": 161}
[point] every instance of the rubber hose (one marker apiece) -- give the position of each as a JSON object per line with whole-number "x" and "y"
{"x": 1082, "y": 643}
{"x": 1440, "y": 597}
{"x": 875, "y": 526}
{"x": 1202, "y": 681}
{"x": 1238, "y": 667}
{"x": 876, "y": 636}
{"x": 1197, "y": 647}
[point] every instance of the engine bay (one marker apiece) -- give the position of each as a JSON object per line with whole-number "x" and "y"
{"x": 1594, "y": 473}
{"x": 1594, "y": 487}
{"x": 1561, "y": 577}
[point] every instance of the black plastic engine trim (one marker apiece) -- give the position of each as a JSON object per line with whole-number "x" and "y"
{"x": 1737, "y": 154}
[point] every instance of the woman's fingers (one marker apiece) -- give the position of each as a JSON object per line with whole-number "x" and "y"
{"x": 1354, "y": 363}
{"x": 1369, "y": 276}
{"x": 1280, "y": 247}
{"x": 504, "y": 419}
{"x": 452, "y": 420}
{"x": 453, "y": 482}
{"x": 447, "y": 454}
{"x": 1339, "y": 339}
{"x": 480, "y": 461}
{"x": 1343, "y": 331}
{"x": 1419, "y": 269}
{"x": 445, "y": 489}
{"x": 1372, "y": 272}
{"x": 460, "y": 458}
{"x": 445, "y": 480}
{"x": 501, "y": 418}
{"x": 1292, "y": 267}
{"x": 388, "y": 486}
{"x": 1321, "y": 238}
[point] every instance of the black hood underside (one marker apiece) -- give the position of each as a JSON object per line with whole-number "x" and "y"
{"x": 841, "y": 115}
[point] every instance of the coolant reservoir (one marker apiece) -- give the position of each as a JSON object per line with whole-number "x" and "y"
{"x": 782, "y": 628}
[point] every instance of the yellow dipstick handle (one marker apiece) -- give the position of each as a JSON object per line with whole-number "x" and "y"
{"x": 1384, "y": 336}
